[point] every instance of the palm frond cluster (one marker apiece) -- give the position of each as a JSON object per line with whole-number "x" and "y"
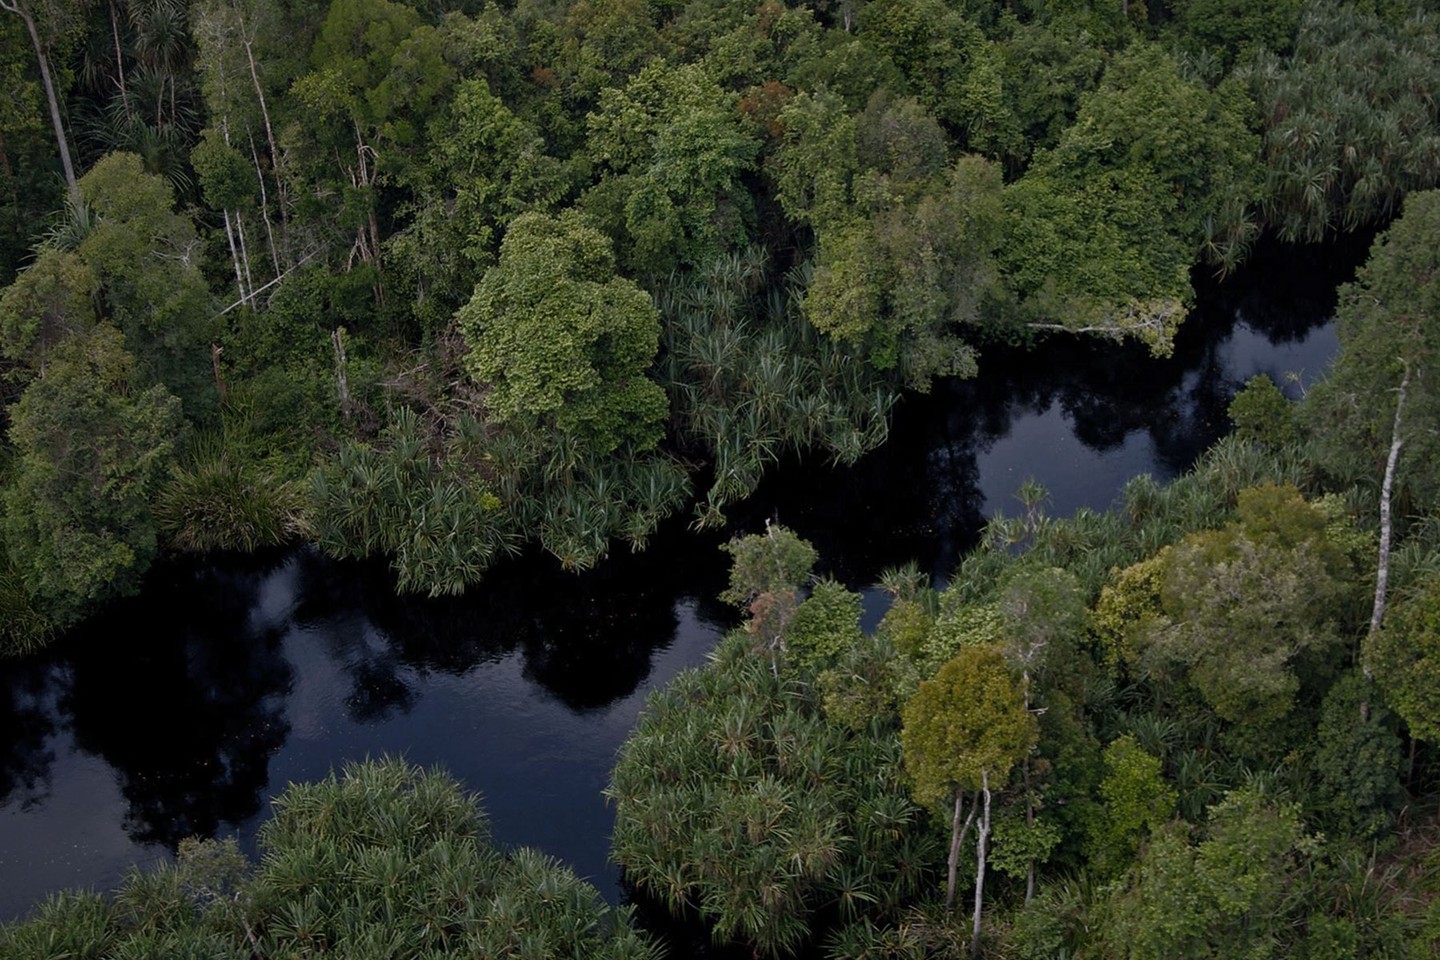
{"x": 1352, "y": 121}
{"x": 736, "y": 797}
{"x": 751, "y": 381}
{"x": 223, "y": 500}
{"x": 437, "y": 519}
{"x": 385, "y": 860}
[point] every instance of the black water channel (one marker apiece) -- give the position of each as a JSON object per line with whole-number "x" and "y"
{"x": 186, "y": 709}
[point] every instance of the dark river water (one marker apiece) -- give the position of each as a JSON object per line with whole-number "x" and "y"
{"x": 184, "y": 710}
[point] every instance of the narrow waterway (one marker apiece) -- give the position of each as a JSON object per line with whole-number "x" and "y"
{"x": 184, "y": 710}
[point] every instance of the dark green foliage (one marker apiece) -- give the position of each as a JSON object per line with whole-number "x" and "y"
{"x": 144, "y": 256}
{"x": 439, "y": 521}
{"x": 674, "y": 146}
{"x": 1105, "y": 226}
{"x": 1262, "y": 415}
{"x": 384, "y": 860}
{"x": 737, "y": 798}
{"x": 1232, "y": 29}
{"x": 750, "y": 380}
{"x": 1405, "y": 657}
{"x": 93, "y": 447}
{"x": 1227, "y": 894}
{"x": 1357, "y": 758}
{"x": 221, "y": 499}
{"x": 825, "y": 626}
{"x": 776, "y": 561}
{"x": 1135, "y": 800}
{"x": 1389, "y": 325}
{"x": 1351, "y": 122}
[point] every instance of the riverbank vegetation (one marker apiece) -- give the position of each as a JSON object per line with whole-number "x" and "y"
{"x": 435, "y": 282}
{"x": 1199, "y": 724}
{"x": 585, "y": 266}
{"x": 382, "y": 860}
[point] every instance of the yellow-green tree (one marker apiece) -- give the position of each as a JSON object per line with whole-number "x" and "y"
{"x": 964, "y": 727}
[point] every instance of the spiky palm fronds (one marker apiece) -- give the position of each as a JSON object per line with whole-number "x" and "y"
{"x": 751, "y": 381}
{"x": 737, "y": 798}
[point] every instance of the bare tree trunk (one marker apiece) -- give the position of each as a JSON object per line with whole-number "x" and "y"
{"x": 234, "y": 257}
{"x": 220, "y": 387}
{"x": 119, "y": 58}
{"x": 244, "y": 254}
{"x": 265, "y": 209}
{"x": 342, "y": 380}
{"x": 247, "y": 43}
{"x": 13, "y": 6}
{"x": 980, "y": 848}
{"x": 957, "y": 837}
{"x": 1382, "y": 572}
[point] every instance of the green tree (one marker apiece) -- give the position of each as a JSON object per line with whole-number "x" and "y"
{"x": 766, "y": 573}
{"x": 93, "y": 446}
{"x": 485, "y": 167}
{"x": 147, "y": 258}
{"x": 1245, "y": 607}
{"x": 50, "y": 24}
{"x": 1226, "y": 895}
{"x": 1404, "y": 656}
{"x": 672, "y": 151}
{"x": 1155, "y": 169}
{"x": 1388, "y": 322}
{"x": 1357, "y": 758}
{"x": 1135, "y": 800}
{"x": 1262, "y": 415}
{"x": 48, "y": 302}
{"x": 562, "y": 341}
{"x": 964, "y": 725}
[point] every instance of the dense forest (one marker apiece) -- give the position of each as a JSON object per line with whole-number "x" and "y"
{"x": 437, "y": 281}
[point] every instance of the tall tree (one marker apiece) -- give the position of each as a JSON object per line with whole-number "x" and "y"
{"x": 964, "y": 727}
{"x": 93, "y": 445}
{"x": 1370, "y": 415}
{"x": 49, "y": 22}
{"x": 562, "y": 341}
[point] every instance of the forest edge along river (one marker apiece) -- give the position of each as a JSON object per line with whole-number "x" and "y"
{"x": 185, "y": 709}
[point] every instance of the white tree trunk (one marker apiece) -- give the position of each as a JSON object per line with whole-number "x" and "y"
{"x": 957, "y": 837}
{"x": 980, "y": 846}
{"x": 1387, "y": 489}
{"x": 13, "y": 6}
{"x": 234, "y": 257}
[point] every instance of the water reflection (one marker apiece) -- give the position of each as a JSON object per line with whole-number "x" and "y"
{"x": 27, "y": 714}
{"x": 183, "y": 710}
{"x": 177, "y": 694}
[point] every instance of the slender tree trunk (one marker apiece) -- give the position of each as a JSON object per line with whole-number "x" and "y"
{"x": 342, "y": 380}
{"x": 1387, "y": 489}
{"x": 220, "y": 387}
{"x": 980, "y": 849}
{"x": 234, "y": 256}
{"x": 13, "y": 6}
{"x": 244, "y": 254}
{"x": 957, "y": 837}
{"x": 265, "y": 209}
{"x": 247, "y": 43}
{"x": 119, "y": 59}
